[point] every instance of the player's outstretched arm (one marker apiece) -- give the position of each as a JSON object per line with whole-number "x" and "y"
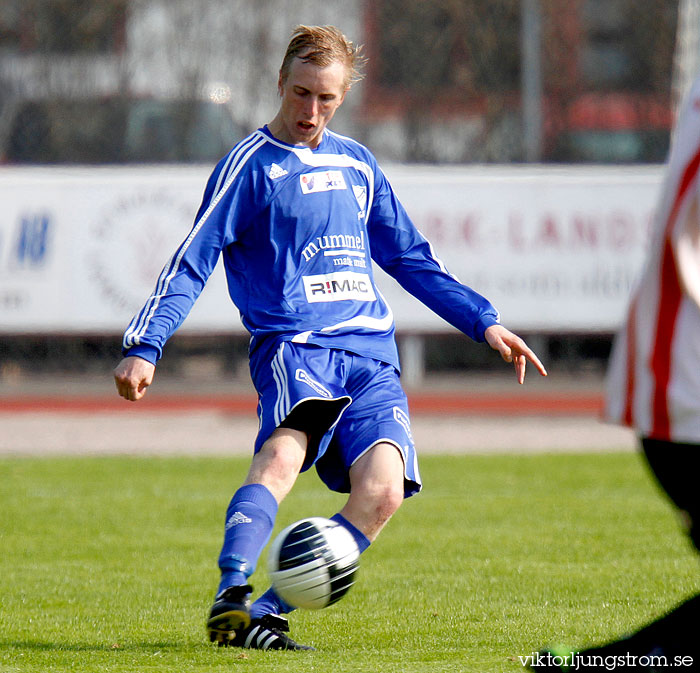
{"x": 513, "y": 349}
{"x": 133, "y": 375}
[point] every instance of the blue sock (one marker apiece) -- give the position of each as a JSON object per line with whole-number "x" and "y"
{"x": 249, "y": 521}
{"x": 362, "y": 541}
{"x": 271, "y": 603}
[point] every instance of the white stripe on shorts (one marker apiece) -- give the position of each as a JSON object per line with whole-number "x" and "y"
{"x": 279, "y": 373}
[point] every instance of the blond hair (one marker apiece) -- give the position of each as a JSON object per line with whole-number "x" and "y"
{"x": 323, "y": 45}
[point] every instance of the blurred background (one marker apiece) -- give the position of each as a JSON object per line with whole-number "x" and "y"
{"x": 525, "y": 138}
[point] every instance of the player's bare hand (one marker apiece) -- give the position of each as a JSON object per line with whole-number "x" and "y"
{"x": 133, "y": 375}
{"x": 513, "y": 349}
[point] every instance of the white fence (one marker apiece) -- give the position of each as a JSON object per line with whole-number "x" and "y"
{"x": 556, "y": 250}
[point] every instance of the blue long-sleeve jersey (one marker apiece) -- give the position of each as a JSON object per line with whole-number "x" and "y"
{"x": 298, "y": 229}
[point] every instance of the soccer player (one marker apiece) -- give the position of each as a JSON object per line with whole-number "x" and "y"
{"x": 298, "y": 214}
{"x": 654, "y": 387}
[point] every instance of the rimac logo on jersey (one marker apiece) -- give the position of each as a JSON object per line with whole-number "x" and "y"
{"x": 323, "y": 181}
{"x": 338, "y": 286}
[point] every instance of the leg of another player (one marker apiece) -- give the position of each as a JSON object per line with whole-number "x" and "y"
{"x": 376, "y": 489}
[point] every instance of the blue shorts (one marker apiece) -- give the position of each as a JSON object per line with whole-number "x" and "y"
{"x": 352, "y": 403}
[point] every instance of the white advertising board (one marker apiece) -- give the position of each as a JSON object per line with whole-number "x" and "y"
{"x": 81, "y": 249}
{"x": 554, "y": 250}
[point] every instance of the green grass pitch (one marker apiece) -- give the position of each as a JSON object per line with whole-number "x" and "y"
{"x": 109, "y": 564}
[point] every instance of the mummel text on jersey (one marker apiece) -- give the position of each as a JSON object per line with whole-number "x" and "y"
{"x": 298, "y": 229}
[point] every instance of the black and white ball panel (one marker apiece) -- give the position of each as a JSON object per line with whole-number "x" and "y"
{"x": 313, "y": 563}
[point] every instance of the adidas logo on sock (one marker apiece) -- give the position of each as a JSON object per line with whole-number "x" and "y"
{"x": 276, "y": 171}
{"x": 236, "y": 518}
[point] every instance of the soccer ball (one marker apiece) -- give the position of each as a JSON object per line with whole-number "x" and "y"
{"x": 312, "y": 563}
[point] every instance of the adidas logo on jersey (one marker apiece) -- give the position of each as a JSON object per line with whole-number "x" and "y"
{"x": 276, "y": 171}
{"x": 236, "y": 518}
